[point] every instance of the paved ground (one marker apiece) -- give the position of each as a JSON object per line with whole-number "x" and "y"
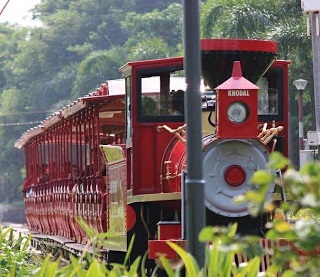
{"x": 17, "y": 228}
{"x": 12, "y": 214}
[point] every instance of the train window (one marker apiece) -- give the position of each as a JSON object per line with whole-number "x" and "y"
{"x": 155, "y": 90}
{"x": 268, "y": 98}
{"x": 271, "y": 95}
{"x": 128, "y": 112}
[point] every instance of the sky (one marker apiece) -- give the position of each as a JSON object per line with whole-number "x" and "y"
{"x": 16, "y": 11}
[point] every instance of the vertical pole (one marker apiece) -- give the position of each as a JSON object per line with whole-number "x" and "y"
{"x": 300, "y": 110}
{"x": 316, "y": 65}
{"x": 316, "y": 68}
{"x": 194, "y": 183}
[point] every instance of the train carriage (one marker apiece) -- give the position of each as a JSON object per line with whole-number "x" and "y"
{"x": 116, "y": 157}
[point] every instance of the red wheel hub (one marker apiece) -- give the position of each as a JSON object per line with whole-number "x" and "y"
{"x": 235, "y": 175}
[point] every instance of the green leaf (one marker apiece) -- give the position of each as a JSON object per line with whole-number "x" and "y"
{"x": 143, "y": 264}
{"x": 278, "y": 161}
{"x": 126, "y": 259}
{"x": 94, "y": 270}
{"x": 134, "y": 267}
{"x": 262, "y": 177}
{"x": 76, "y": 268}
{"x": 43, "y": 267}
{"x": 52, "y": 269}
{"x": 282, "y": 226}
{"x": 192, "y": 268}
{"x": 167, "y": 267}
{"x": 206, "y": 234}
{"x": 290, "y": 273}
{"x": 254, "y": 196}
{"x": 233, "y": 230}
{"x": 311, "y": 169}
{"x": 254, "y": 266}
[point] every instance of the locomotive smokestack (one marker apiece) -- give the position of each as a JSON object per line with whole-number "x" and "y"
{"x": 236, "y": 70}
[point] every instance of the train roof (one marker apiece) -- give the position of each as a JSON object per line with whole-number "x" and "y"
{"x": 111, "y": 91}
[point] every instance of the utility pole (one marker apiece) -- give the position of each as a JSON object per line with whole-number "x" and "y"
{"x": 194, "y": 183}
{"x": 312, "y": 7}
{"x": 316, "y": 65}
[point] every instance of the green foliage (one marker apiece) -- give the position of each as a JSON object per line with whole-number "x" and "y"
{"x": 302, "y": 234}
{"x": 222, "y": 245}
{"x": 281, "y": 21}
{"x": 150, "y": 48}
{"x": 98, "y": 66}
{"x": 293, "y": 247}
{"x": 89, "y": 263}
{"x": 165, "y": 25}
{"x": 237, "y": 19}
{"x": 15, "y": 256}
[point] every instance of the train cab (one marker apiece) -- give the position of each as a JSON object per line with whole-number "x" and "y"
{"x": 150, "y": 88}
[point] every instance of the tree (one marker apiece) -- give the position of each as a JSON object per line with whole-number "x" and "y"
{"x": 152, "y": 48}
{"x": 236, "y": 18}
{"x": 165, "y": 25}
{"x": 11, "y": 160}
{"x": 254, "y": 19}
{"x": 96, "y": 68}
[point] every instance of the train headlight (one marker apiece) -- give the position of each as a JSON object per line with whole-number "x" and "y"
{"x": 237, "y": 112}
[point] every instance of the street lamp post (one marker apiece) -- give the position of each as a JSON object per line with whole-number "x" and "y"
{"x": 300, "y": 84}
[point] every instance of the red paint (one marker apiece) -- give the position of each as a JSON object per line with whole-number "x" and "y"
{"x": 239, "y": 45}
{"x": 131, "y": 217}
{"x": 235, "y": 175}
{"x": 237, "y": 89}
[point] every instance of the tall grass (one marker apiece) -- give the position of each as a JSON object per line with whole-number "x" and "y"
{"x": 16, "y": 258}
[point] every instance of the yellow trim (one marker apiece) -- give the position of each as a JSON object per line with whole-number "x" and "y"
{"x": 112, "y": 154}
{"x": 177, "y": 196}
{"x": 154, "y": 197}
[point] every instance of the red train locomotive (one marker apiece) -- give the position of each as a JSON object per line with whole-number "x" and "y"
{"x": 115, "y": 157}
